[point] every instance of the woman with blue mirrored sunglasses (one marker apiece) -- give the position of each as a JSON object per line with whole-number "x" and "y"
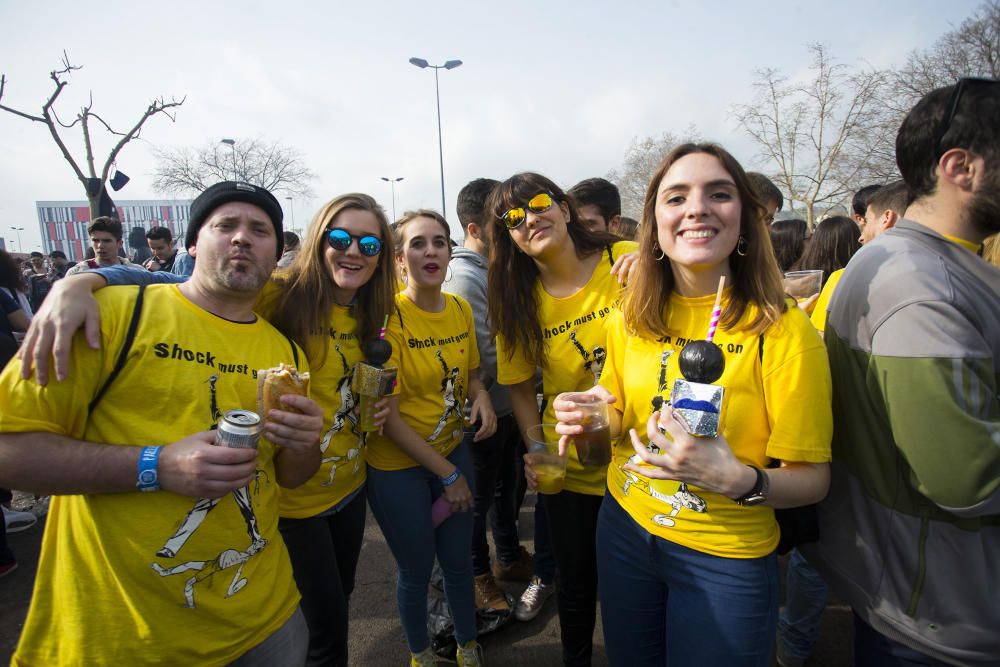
{"x": 341, "y": 239}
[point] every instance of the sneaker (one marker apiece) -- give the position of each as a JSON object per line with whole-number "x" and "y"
{"x": 423, "y": 659}
{"x": 8, "y": 568}
{"x": 488, "y": 594}
{"x": 520, "y": 570}
{"x": 532, "y": 599}
{"x": 18, "y": 521}
{"x": 785, "y": 658}
{"x": 470, "y": 655}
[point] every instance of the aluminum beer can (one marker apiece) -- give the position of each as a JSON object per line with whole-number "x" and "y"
{"x": 239, "y": 429}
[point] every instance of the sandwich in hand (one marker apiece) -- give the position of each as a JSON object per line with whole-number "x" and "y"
{"x": 273, "y": 383}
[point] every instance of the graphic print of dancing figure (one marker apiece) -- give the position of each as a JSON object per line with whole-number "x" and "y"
{"x": 592, "y": 361}
{"x": 196, "y": 515}
{"x": 683, "y": 498}
{"x": 453, "y": 395}
{"x": 344, "y": 414}
{"x": 206, "y": 569}
{"x": 661, "y": 386}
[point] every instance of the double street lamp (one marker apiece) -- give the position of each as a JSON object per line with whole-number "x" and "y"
{"x": 451, "y": 64}
{"x": 392, "y": 182}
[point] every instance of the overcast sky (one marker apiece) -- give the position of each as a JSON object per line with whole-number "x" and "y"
{"x": 555, "y": 87}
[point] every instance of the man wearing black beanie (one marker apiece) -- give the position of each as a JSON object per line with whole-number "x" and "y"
{"x": 168, "y": 544}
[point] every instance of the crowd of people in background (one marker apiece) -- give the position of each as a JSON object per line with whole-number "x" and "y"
{"x": 855, "y": 429}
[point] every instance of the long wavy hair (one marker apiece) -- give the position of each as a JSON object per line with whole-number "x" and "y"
{"x": 755, "y": 279}
{"x": 834, "y": 242}
{"x": 513, "y": 275}
{"x": 788, "y": 240}
{"x": 303, "y": 308}
{"x": 10, "y": 272}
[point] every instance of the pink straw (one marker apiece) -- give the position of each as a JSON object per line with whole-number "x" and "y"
{"x": 716, "y": 310}
{"x": 385, "y": 323}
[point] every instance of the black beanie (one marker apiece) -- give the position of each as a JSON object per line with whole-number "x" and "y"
{"x": 228, "y": 191}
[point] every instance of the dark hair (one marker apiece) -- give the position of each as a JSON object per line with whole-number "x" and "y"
{"x": 513, "y": 275}
{"x": 598, "y": 192}
{"x": 472, "y": 201}
{"x": 308, "y": 281}
{"x": 859, "y": 202}
{"x": 10, "y": 272}
{"x": 892, "y": 197}
{"x": 755, "y": 277}
{"x": 35, "y": 253}
{"x": 788, "y": 238}
{"x": 106, "y": 224}
{"x": 975, "y": 126}
{"x": 833, "y": 243}
{"x": 765, "y": 189}
{"x": 628, "y": 228}
{"x": 160, "y": 233}
{"x": 57, "y": 254}
{"x": 137, "y": 237}
{"x": 410, "y": 216}
{"x": 290, "y": 239}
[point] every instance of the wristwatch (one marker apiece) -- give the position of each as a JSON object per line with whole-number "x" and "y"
{"x": 758, "y": 493}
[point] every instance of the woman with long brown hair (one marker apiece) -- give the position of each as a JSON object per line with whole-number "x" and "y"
{"x": 551, "y": 292}
{"x": 686, "y": 535}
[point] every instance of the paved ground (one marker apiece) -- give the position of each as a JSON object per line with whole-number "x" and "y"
{"x": 376, "y": 637}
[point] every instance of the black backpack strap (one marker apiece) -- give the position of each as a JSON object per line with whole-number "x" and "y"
{"x": 126, "y": 348}
{"x": 611, "y": 255}
{"x": 295, "y": 350}
{"x": 760, "y": 351}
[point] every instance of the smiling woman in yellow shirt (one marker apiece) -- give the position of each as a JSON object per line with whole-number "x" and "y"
{"x": 686, "y": 537}
{"x": 552, "y": 293}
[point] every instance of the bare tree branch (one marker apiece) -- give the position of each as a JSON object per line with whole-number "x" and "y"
{"x": 270, "y": 165}
{"x": 52, "y": 121}
{"x": 817, "y": 134}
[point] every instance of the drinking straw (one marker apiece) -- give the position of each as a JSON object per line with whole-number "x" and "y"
{"x": 716, "y": 310}
{"x": 385, "y": 323}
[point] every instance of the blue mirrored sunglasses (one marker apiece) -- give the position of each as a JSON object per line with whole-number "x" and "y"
{"x": 341, "y": 239}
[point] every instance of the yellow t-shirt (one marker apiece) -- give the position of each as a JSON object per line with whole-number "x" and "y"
{"x": 155, "y": 578}
{"x": 575, "y": 330}
{"x": 818, "y": 316}
{"x": 342, "y": 470}
{"x": 775, "y": 407}
{"x": 433, "y": 353}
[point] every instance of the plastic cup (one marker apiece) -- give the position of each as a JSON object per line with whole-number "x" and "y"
{"x": 803, "y": 284}
{"x": 543, "y": 457}
{"x": 593, "y": 446}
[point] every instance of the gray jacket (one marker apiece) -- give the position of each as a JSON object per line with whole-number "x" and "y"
{"x": 468, "y": 280}
{"x": 910, "y": 531}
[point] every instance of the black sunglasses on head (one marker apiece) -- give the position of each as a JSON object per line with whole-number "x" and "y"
{"x": 341, "y": 239}
{"x": 956, "y": 97}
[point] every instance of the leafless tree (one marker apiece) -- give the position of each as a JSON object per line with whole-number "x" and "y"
{"x": 270, "y": 165}
{"x": 641, "y": 160}
{"x": 819, "y": 138}
{"x": 91, "y": 179}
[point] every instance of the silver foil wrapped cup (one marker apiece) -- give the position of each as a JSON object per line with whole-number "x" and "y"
{"x": 371, "y": 383}
{"x": 698, "y": 407}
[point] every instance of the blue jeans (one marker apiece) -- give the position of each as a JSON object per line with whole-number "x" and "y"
{"x": 663, "y": 603}
{"x": 805, "y": 600}
{"x": 496, "y": 481}
{"x": 401, "y": 502}
{"x": 324, "y": 550}
{"x": 873, "y": 649}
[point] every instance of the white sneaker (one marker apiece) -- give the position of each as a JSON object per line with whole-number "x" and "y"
{"x": 17, "y": 521}
{"x": 532, "y": 599}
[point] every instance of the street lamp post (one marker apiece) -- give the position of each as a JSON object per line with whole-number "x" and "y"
{"x": 291, "y": 210}
{"x": 18, "y": 230}
{"x": 451, "y": 64}
{"x": 392, "y": 182}
{"x": 232, "y": 149}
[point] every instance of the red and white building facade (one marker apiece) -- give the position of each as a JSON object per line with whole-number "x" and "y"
{"x": 63, "y": 224}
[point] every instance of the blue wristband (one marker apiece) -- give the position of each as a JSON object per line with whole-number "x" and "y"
{"x": 450, "y": 479}
{"x": 149, "y": 479}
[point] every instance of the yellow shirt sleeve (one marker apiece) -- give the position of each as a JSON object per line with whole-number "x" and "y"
{"x": 822, "y": 304}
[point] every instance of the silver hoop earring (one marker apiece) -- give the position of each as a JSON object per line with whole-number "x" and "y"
{"x": 656, "y": 248}
{"x": 741, "y": 246}
{"x": 402, "y": 275}
{"x": 448, "y": 275}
